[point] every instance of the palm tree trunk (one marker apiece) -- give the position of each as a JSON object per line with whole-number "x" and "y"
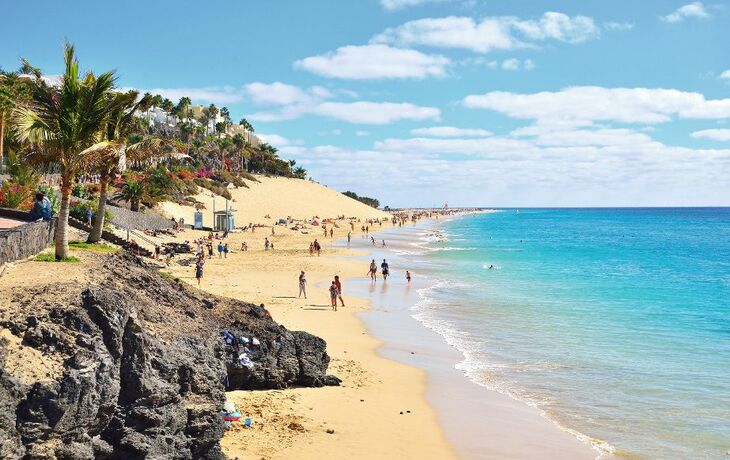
{"x": 95, "y": 235}
{"x": 61, "y": 237}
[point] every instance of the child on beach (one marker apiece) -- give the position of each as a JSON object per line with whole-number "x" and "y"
{"x": 333, "y": 295}
{"x": 339, "y": 290}
{"x": 302, "y": 285}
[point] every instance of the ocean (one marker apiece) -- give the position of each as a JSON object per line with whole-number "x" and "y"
{"x": 613, "y": 322}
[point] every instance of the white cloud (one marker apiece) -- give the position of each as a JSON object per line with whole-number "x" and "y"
{"x": 570, "y": 137}
{"x": 374, "y": 62}
{"x": 375, "y": 113}
{"x": 274, "y": 139}
{"x": 714, "y": 134}
{"x": 362, "y": 133}
{"x": 511, "y": 64}
{"x": 594, "y": 103}
{"x": 491, "y": 33}
{"x": 504, "y": 171}
{"x": 362, "y": 112}
{"x": 516, "y": 64}
{"x": 725, "y": 75}
{"x": 398, "y": 4}
{"x": 210, "y": 94}
{"x": 613, "y": 25}
{"x": 690, "y": 10}
{"x": 450, "y": 131}
{"x": 278, "y": 93}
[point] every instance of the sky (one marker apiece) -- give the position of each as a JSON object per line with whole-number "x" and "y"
{"x": 421, "y": 102}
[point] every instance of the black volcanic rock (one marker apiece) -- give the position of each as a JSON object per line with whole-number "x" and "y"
{"x": 145, "y": 367}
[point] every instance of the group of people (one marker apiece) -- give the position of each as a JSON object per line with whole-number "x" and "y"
{"x": 314, "y": 246}
{"x": 384, "y": 269}
{"x": 335, "y": 290}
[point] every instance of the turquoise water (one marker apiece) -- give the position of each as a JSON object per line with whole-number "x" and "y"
{"x": 614, "y": 322}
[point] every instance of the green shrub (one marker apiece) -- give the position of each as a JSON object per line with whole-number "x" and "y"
{"x": 78, "y": 210}
{"x": 51, "y": 257}
{"x": 215, "y": 187}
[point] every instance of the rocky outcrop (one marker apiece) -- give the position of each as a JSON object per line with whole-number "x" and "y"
{"x": 145, "y": 366}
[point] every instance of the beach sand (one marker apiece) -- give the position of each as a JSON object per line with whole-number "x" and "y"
{"x": 380, "y": 410}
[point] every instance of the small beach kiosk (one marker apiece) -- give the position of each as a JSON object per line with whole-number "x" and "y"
{"x": 223, "y": 221}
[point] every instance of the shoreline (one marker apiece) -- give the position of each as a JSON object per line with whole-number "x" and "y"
{"x": 376, "y": 384}
{"x": 401, "y": 332}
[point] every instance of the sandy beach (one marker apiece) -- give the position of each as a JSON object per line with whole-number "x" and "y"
{"x": 380, "y": 410}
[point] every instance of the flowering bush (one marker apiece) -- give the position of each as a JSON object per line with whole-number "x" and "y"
{"x": 16, "y": 196}
{"x": 204, "y": 173}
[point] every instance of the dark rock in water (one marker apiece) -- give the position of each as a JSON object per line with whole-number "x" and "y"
{"x": 145, "y": 367}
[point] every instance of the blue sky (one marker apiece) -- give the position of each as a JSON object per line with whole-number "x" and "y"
{"x": 418, "y": 102}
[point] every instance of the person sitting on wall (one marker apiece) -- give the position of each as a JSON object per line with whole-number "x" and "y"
{"x": 42, "y": 208}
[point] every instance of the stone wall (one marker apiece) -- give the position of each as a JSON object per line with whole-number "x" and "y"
{"x": 24, "y": 240}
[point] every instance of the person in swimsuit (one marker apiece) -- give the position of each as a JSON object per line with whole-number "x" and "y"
{"x": 339, "y": 290}
{"x": 333, "y": 295}
{"x": 302, "y": 285}
{"x": 408, "y": 276}
{"x": 373, "y": 272}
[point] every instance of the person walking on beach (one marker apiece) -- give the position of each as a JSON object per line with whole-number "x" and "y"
{"x": 199, "y": 269}
{"x": 220, "y": 250}
{"x": 266, "y": 244}
{"x": 339, "y": 290}
{"x": 333, "y": 295}
{"x": 385, "y": 269}
{"x": 408, "y": 276}
{"x": 317, "y": 247}
{"x": 372, "y": 239}
{"x": 384, "y": 243}
{"x": 373, "y": 270}
{"x": 332, "y": 232}
{"x": 225, "y": 251}
{"x": 349, "y": 237}
{"x": 244, "y": 246}
{"x": 210, "y": 250}
{"x": 302, "y": 285}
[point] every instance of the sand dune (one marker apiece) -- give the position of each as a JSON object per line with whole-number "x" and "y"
{"x": 277, "y": 197}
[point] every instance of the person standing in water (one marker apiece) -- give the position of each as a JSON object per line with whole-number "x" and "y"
{"x": 302, "y": 285}
{"x": 385, "y": 269}
{"x": 339, "y": 289}
{"x": 408, "y": 276}
{"x": 373, "y": 270}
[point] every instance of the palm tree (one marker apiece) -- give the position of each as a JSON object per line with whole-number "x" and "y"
{"x": 60, "y": 122}
{"x": 183, "y": 106}
{"x": 246, "y": 125}
{"x": 110, "y": 156}
{"x": 132, "y": 191}
{"x": 167, "y": 106}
